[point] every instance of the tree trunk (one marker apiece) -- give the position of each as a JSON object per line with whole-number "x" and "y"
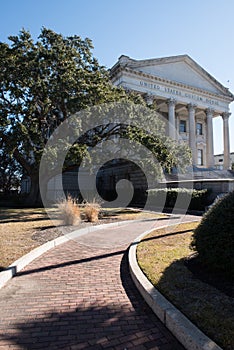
{"x": 34, "y": 197}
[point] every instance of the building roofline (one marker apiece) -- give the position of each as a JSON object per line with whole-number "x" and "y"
{"x": 130, "y": 71}
{"x": 126, "y": 61}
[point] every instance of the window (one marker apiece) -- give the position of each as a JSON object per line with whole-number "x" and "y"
{"x": 182, "y": 126}
{"x": 199, "y": 129}
{"x": 199, "y": 157}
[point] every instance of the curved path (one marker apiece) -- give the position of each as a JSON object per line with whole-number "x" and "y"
{"x": 79, "y": 295}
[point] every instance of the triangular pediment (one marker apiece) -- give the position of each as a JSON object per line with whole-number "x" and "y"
{"x": 179, "y": 69}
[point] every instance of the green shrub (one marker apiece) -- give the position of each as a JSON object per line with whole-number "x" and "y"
{"x": 195, "y": 199}
{"x": 213, "y": 239}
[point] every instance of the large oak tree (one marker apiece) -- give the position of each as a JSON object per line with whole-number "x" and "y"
{"x": 41, "y": 84}
{"x": 44, "y": 82}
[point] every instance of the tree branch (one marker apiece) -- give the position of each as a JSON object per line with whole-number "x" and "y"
{"x": 18, "y": 157}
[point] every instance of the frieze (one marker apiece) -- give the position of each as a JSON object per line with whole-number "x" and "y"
{"x": 177, "y": 92}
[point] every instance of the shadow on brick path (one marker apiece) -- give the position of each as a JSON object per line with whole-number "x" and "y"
{"x": 119, "y": 320}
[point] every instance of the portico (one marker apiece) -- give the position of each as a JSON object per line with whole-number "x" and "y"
{"x": 186, "y": 95}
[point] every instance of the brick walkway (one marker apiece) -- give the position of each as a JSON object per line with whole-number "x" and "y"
{"x": 79, "y": 295}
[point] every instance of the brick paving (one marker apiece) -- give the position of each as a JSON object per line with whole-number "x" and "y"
{"x": 79, "y": 295}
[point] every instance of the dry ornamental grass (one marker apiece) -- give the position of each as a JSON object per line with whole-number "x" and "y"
{"x": 91, "y": 211}
{"x": 22, "y": 230}
{"x": 70, "y": 211}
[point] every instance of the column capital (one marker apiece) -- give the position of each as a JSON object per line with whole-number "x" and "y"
{"x": 191, "y": 106}
{"x": 171, "y": 102}
{"x": 210, "y": 111}
{"x": 149, "y": 99}
{"x": 226, "y": 115}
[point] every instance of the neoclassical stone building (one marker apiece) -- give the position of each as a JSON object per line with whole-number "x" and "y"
{"x": 186, "y": 94}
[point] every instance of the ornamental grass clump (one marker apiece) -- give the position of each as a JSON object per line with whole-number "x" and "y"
{"x": 70, "y": 212}
{"x": 213, "y": 239}
{"x": 91, "y": 211}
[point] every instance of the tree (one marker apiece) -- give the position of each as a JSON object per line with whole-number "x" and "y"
{"x": 42, "y": 84}
{"x": 10, "y": 172}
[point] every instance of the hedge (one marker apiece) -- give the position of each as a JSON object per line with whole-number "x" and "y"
{"x": 213, "y": 239}
{"x": 193, "y": 199}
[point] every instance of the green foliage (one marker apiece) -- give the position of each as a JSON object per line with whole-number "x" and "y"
{"x": 10, "y": 172}
{"x": 195, "y": 198}
{"x": 169, "y": 153}
{"x": 213, "y": 239}
{"x": 43, "y": 83}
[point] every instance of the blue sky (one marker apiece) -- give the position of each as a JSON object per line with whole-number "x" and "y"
{"x": 140, "y": 29}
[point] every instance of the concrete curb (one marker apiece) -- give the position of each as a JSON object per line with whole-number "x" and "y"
{"x": 20, "y": 263}
{"x": 188, "y": 334}
{"x": 180, "y": 326}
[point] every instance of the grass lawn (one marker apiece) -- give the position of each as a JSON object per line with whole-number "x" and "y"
{"x": 17, "y": 227}
{"x": 21, "y": 230}
{"x": 161, "y": 256}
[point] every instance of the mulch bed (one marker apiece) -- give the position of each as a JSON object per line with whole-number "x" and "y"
{"x": 43, "y": 235}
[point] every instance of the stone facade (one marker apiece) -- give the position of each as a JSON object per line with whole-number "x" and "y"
{"x": 186, "y": 94}
{"x": 219, "y": 160}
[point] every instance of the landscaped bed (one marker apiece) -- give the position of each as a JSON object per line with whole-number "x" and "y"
{"x": 163, "y": 257}
{"x": 22, "y": 230}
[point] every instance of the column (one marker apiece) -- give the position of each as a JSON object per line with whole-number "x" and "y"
{"x": 171, "y": 118}
{"x": 176, "y": 127}
{"x": 149, "y": 99}
{"x": 209, "y": 138}
{"x": 226, "y": 141}
{"x": 192, "y": 131}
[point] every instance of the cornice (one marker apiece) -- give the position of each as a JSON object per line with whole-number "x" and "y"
{"x": 200, "y": 70}
{"x": 131, "y": 72}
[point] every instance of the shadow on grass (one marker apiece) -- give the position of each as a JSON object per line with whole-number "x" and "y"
{"x": 24, "y": 215}
{"x": 217, "y": 279}
{"x": 162, "y": 236}
{"x": 201, "y": 300}
{"x": 23, "y": 219}
{"x": 8, "y": 216}
{"x": 28, "y": 215}
{"x": 121, "y": 211}
{"x": 43, "y": 228}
